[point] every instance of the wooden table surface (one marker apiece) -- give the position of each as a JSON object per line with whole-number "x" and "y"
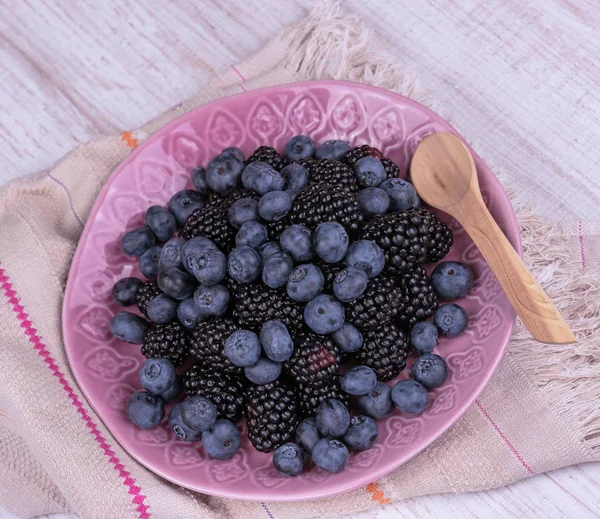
{"x": 522, "y": 77}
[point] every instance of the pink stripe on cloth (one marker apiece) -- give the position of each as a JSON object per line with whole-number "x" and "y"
{"x": 41, "y": 348}
{"x": 581, "y": 247}
{"x": 506, "y": 440}
{"x": 71, "y": 205}
{"x": 241, "y": 76}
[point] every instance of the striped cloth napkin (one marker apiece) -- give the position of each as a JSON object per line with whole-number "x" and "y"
{"x": 538, "y": 413}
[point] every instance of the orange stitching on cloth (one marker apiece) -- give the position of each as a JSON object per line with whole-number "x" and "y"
{"x": 378, "y": 496}
{"x": 129, "y": 139}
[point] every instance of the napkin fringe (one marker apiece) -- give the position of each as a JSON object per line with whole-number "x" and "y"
{"x": 569, "y": 373}
{"x": 330, "y": 44}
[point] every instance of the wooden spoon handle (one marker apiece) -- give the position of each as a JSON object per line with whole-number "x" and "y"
{"x": 532, "y": 304}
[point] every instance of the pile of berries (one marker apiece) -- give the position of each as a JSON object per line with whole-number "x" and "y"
{"x": 286, "y": 290}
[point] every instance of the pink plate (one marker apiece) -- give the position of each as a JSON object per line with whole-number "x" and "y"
{"x": 106, "y": 369}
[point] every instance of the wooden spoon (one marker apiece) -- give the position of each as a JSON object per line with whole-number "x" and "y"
{"x": 444, "y": 174}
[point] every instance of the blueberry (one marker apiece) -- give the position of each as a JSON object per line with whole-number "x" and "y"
{"x": 234, "y": 151}
{"x": 366, "y": 255}
{"x": 173, "y": 393}
{"x": 361, "y": 434}
{"x": 307, "y": 434}
{"x": 451, "y": 280}
{"x": 181, "y": 429}
{"x": 242, "y": 211}
{"x": 243, "y": 264}
{"x": 183, "y": 203}
{"x": 451, "y": 320}
{"x": 161, "y": 222}
{"x": 199, "y": 413}
{"x": 410, "y": 396}
{"x": 176, "y": 283}
{"x": 373, "y": 201}
{"x": 211, "y": 301}
{"x": 289, "y": 459}
{"x": 277, "y": 269}
{"x": 242, "y": 348}
{"x": 253, "y": 234}
{"x": 297, "y": 241}
{"x": 349, "y": 284}
{"x": 299, "y": 147}
{"x": 276, "y": 341}
{"x": 348, "y": 338}
{"x": 162, "y": 309}
{"x": 295, "y": 177}
{"x": 333, "y": 418}
{"x": 305, "y": 283}
{"x": 402, "y": 194}
{"x": 145, "y": 410}
{"x": 208, "y": 267}
{"x": 264, "y": 371}
{"x": 359, "y": 380}
{"x": 125, "y": 289}
{"x": 157, "y": 375}
{"x": 224, "y": 173}
{"x": 261, "y": 177}
{"x": 171, "y": 254}
{"x": 138, "y": 241}
{"x": 128, "y": 327}
{"x": 193, "y": 249}
{"x": 378, "y": 403}
{"x": 222, "y": 440}
{"x": 148, "y": 261}
{"x": 267, "y": 249}
{"x": 330, "y": 241}
{"x": 199, "y": 180}
{"x": 423, "y": 337}
{"x": 430, "y": 370}
{"x": 369, "y": 172}
{"x": 189, "y": 314}
{"x": 274, "y": 205}
{"x": 324, "y": 314}
{"x": 330, "y": 455}
{"x": 332, "y": 149}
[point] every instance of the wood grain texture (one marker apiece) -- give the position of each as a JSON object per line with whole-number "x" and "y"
{"x": 444, "y": 174}
{"x": 520, "y": 80}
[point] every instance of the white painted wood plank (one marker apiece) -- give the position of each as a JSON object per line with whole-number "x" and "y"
{"x": 519, "y": 79}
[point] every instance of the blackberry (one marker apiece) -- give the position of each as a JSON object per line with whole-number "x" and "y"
{"x": 351, "y": 156}
{"x": 208, "y": 341}
{"x": 224, "y": 390}
{"x": 418, "y": 301}
{"x": 268, "y": 155}
{"x": 315, "y": 358}
{"x": 276, "y": 228}
{"x": 168, "y": 341}
{"x": 228, "y": 201}
{"x": 403, "y": 236}
{"x": 322, "y": 203}
{"x": 384, "y": 350}
{"x": 331, "y": 172}
{"x": 146, "y": 293}
{"x": 311, "y": 395}
{"x": 440, "y": 237}
{"x": 329, "y": 270}
{"x": 271, "y": 415}
{"x": 213, "y": 223}
{"x": 378, "y": 304}
{"x": 256, "y": 304}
